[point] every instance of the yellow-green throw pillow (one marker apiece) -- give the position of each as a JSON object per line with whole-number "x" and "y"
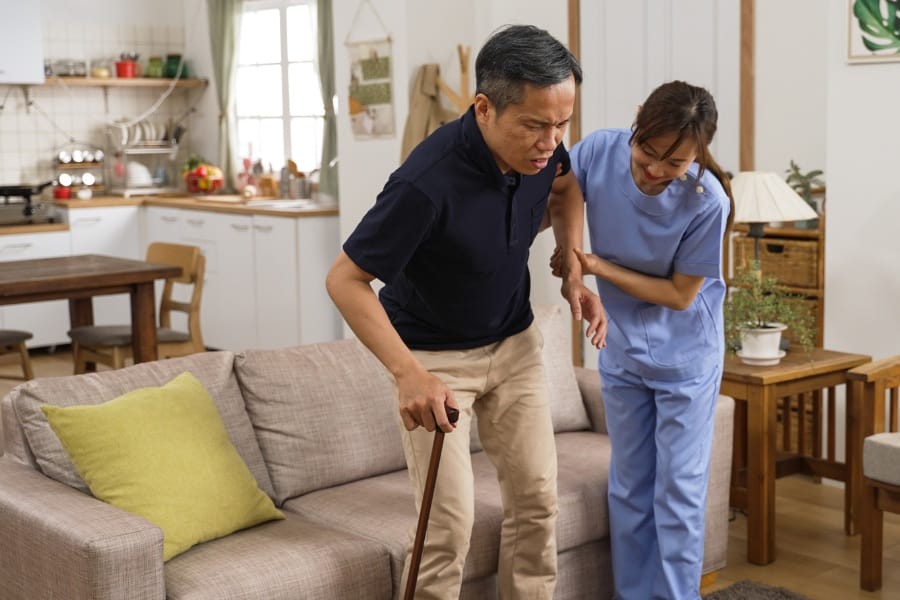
{"x": 163, "y": 453}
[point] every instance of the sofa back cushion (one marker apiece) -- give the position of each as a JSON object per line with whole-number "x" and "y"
{"x": 14, "y": 443}
{"x": 212, "y": 369}
{"x": 324, "y": 414}
{"x": 566, "y": 407}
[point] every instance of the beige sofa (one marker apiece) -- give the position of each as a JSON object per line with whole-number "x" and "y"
{"x": 317, "y": 427}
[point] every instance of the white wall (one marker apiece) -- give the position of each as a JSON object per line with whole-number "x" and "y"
{"x": 862, "y": 257}
{"x": 629, "y": 48}
{"x": 791, "y": 84}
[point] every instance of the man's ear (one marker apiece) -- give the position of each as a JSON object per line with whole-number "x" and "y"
{"x": 483, "y": 107}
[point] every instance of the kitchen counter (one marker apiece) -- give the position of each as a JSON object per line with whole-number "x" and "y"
{"x": 33, "y": 228}
{"x": 214, "y": 203}
{"x": 97, "y": 202}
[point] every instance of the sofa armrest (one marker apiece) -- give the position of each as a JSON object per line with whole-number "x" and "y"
{"x": 61, "y": 543}
{"x": 589, "y": 386}
{"x": 715, "y": 547}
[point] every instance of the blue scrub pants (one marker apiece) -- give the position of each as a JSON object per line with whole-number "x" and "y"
{"x": 661, "y": 434}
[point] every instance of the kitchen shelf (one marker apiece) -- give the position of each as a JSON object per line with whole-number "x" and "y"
{"x": 149, "y": 148}
{"x": 132, "y": 82}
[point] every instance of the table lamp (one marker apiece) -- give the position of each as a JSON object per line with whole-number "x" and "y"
{"x": 762, "y": 197}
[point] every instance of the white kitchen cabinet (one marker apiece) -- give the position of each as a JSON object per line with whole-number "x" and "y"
{"x": 110, "y": 230}
{"x": 163, "y": 224}
{"x": 47, "y": 321}
{"x": 276, "y": 258}
{"x": 265, "y": 275}
{"x": 318, "y": 244}
{"x": 292, "y": 257}
{"x": 229, "y": 300}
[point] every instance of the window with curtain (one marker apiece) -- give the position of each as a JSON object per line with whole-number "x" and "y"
{"x": 278, "y": 95}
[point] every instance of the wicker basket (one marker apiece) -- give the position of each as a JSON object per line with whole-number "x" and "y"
{"x": 791, "y": 262}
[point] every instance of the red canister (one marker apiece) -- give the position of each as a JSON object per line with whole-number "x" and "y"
{"x": 126, "y": 69}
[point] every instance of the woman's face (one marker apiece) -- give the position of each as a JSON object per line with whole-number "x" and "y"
{"x": 651, "y": 173}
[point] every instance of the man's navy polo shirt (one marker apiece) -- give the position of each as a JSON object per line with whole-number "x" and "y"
{"x": 449, "y": 236}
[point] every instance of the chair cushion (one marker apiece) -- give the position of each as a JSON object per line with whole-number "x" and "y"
{"x": 13, "y": 336}
{"x": 162, "y": 453}
{"x": 213, "y": 369}
{"x": 104, "y": 336}
{"x": 881, "y": 455}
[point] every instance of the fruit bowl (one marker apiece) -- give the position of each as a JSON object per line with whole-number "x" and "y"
{"x": 203, "y": 184}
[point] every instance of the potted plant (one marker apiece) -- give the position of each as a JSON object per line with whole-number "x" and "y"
{"x": 805, "y": 184}
{"x": 757, "y": 311}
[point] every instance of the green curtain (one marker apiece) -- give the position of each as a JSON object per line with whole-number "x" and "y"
{"x": 224, "y": 33}
{"x": 328, "y": 173}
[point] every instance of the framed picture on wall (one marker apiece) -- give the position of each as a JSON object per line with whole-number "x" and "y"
{"x": 873, "y": 32}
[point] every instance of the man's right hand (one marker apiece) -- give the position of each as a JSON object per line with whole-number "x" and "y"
{"x": 422, "y": 401}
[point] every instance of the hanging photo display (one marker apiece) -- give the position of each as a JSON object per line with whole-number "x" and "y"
{"x": 370, "y": 94}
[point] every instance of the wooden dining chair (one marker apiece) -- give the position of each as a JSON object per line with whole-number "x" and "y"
{"x": 111, "y": 344}
{"x": 879, "y": 385}
{"x": 12, "y": 341}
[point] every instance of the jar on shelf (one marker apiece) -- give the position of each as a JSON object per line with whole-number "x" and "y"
{"x": 173, "y": 62}
{"x": 154, "y": 67}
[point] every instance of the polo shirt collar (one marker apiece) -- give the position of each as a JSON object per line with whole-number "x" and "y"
{"x": 479, "y": 154}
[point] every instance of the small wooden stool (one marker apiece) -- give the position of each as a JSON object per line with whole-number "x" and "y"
{"x": 11, "y": 341}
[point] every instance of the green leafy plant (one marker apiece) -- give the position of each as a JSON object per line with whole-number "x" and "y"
{"x": 880, "y": 32}
{"x": 803, "y": 183}
{"x": 756, "y": 300}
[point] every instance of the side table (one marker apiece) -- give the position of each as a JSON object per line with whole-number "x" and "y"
{"x": 755, "y": 464}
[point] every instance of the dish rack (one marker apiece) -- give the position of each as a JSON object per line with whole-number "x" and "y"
{"x": 141, "y": 163}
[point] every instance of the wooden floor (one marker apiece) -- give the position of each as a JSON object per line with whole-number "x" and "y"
{"x": 813, "y": 556}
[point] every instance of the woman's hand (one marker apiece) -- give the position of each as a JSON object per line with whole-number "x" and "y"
{"x": 591, "y": 264}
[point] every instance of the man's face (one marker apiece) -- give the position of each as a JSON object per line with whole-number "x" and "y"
{"x": 523, "y": 137}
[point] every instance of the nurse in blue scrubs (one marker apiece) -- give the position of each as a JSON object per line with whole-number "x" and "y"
{"x": 658, "y": 207}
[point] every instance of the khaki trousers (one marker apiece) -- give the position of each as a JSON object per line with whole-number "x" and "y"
{"x": 505, "y": 385}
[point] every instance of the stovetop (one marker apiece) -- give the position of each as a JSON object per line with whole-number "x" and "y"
{"x": 20, "y": 205}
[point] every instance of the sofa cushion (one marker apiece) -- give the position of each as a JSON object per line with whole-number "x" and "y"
{"x": 281, "y": 560}
{"x": 325, "y": 414}
{"x": 212, "y": 369}
{"x": 566, "y": 407}
{"x": 383, "y": 508}
{"x": 163, "y": 453}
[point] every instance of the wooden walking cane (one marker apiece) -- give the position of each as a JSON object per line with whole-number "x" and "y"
{"x": 425, "y": 510}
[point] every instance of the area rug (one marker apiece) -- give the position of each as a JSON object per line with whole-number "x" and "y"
{"x": 750, "y": 590}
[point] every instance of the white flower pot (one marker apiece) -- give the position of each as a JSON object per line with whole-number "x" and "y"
{"x": 761, "y": 346}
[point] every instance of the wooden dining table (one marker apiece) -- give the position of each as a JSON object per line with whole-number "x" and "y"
{"x": 79, "y": 278}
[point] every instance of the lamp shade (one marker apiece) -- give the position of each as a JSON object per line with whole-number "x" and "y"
{"x": 763, "y": 197}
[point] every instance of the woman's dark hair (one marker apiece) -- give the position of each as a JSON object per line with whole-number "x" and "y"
{"x": 690, "y": 111}
{"x": 520, "y": 54}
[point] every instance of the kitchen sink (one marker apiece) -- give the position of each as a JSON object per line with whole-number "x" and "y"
{"x": 281, "y": 204}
